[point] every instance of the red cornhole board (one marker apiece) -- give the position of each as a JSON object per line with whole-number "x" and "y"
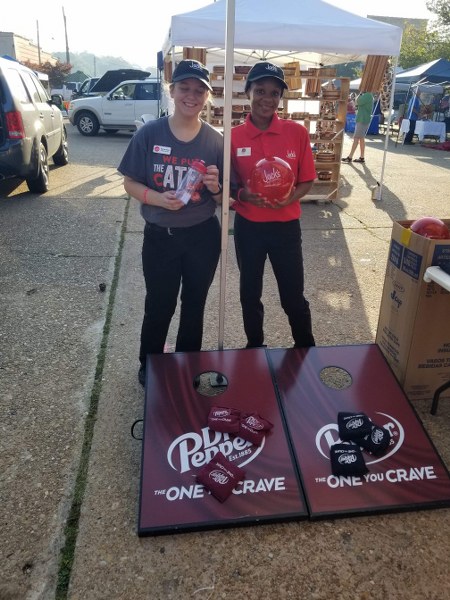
{"x": 177, "y": 443}
{"x": 409, "y": 476}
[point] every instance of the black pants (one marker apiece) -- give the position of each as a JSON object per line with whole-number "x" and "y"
{"x": 186, "y": 257}
{"x": 282, "y": 243}
{"x": 412, "y": 127}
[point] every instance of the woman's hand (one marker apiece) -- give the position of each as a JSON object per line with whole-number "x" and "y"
{"x": 151, "y": 197}
{"x": 211, "y": 180}
{"x": 169, "y": 201}
{"x": 261, "y": 201}
{"x": 281, "y": 203}
{"x": 245, "y": 195}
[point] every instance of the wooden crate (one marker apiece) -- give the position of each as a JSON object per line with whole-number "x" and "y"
{"x": 294, "y": 83}
{"x": 292, "y": 69}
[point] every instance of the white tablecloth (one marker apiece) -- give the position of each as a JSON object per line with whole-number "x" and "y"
{"x": 425, "y": 128}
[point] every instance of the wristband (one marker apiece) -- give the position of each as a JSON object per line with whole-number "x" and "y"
{"x": 239, "y": 194}
{"x": 145, "y": 196}
{"x": 217, "y": 193}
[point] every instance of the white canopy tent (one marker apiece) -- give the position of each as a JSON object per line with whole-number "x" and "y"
{"x": 266, "y": 30}
{"x": 291, "y": 28}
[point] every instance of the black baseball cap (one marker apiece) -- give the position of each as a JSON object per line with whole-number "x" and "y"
{"x": 191, "y": 68}
{"x": 265, "y": 69}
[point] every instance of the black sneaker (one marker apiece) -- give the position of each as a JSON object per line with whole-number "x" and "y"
{"x": 347, "y": 160}
{"x": 141, "y": 375}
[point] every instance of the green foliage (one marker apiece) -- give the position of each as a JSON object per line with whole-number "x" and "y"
{"x": 349, "y": 69}
{"x": 441, "y": 8}
{"x": 421, "y": 46}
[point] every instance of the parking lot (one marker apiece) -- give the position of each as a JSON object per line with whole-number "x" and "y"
{"x": 69, "y": 389}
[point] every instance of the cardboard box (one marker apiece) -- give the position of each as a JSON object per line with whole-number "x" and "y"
{"x": 414, "y": 324}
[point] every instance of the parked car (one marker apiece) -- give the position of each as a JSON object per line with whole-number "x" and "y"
{"x": 66, "y": 91}
{"x": 99, "y": 86}
{"x": 31, "y": 127}
{"x": 85, "y": 88}
{"x": 120, "y": 108}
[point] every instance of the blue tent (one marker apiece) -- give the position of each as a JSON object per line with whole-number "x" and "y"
{"x": 436, "y": 71}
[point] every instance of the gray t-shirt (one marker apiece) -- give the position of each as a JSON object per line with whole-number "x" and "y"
{"x": 156, "y": 158}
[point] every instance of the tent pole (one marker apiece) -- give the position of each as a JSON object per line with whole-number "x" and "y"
{"x": 404, "y": 113}
{"x": 378, "y": 191}
{"x": 228, "y": 93}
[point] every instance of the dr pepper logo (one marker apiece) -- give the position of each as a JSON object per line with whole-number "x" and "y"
{"x": 193, "y": 450}
{"x": 329, "y": 435}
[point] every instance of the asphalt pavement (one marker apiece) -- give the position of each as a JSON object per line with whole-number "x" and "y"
{"x": 71, "y": 302}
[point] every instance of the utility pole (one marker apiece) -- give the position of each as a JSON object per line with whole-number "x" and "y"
{"x": 67, "y": 40}
{"x": 38, "y": 43}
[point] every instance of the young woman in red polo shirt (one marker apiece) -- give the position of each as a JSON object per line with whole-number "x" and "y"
{"x": 264, "y": 229}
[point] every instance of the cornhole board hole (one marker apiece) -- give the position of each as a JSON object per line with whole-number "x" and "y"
{"x": 314, "y": 385}
{"x": 177, "y": 443}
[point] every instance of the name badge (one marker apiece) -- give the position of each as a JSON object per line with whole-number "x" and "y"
{"x": 162, "y": 149}
{"x": 244, "y": 151}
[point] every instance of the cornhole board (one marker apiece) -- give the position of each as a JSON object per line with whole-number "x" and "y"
{"x": 409, "y": 476}
{"x": 177, "y": 443}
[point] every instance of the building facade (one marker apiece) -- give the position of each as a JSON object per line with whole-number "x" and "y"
{"x": 23, "y": 49}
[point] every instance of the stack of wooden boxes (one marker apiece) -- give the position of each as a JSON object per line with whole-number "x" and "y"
{"x": 292, "y": 75}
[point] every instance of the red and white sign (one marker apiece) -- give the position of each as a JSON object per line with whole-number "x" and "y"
{"x": 409, "y": 474}
{"x": 280, "y": 484}
{"x": 178, "y": 443}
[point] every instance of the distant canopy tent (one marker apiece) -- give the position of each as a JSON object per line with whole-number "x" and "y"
{"x": 436, "y": 71}
{"x": 310, "y": 31}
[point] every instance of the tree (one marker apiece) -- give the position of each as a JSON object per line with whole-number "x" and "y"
{"x": 57, "y": 73}
{"x": 441, "y": 8}
{"x": 421, "y": 46}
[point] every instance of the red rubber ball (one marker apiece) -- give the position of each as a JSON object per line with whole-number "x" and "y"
{"x": 273, "y": 178}
{"x": 431, "y": 227}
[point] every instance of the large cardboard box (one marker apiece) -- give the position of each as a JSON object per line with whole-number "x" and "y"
{"x": 414, "y": 324}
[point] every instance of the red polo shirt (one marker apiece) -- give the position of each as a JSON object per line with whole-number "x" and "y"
{"x": 284, "y": 138}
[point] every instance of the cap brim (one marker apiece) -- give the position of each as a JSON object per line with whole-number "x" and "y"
{"x": 190, "y": 76}
{"x": 265, "y": 76}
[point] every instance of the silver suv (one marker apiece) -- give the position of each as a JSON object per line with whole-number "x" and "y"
{"x": 120, "y": 108}
{"x": 31, "y": 127}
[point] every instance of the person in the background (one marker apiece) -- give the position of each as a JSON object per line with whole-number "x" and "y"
{"x": 364, "y": 107}
{"x": 181, "y": 241}
{"x": 351, "y": 106}
{"x": 262, "y": 230}
{"x": 412, "y": 113}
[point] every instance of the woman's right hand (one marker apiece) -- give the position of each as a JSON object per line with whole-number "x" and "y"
{"x": 255, "y": 199}
{"x": 258, "y": 200}
{"x": 169, "y": 201}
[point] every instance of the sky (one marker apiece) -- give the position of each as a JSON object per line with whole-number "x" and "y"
{"x": 134, "y": 30}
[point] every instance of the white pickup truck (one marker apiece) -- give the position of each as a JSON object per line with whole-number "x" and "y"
{"x": 66, "y": 90}
{"x": 120, "y": 108}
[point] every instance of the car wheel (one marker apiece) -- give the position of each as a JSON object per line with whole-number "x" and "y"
{"x": 39, "y": 184}
{"x": 61, "y": 157}
{"x": 88, "y": 124}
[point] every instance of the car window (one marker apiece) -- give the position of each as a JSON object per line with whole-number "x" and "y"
{"x": 36, "y": 90}
{"x": 124, "y": 92}
{"x": 147, "y": 91}
{"x": 17, "y": 86}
